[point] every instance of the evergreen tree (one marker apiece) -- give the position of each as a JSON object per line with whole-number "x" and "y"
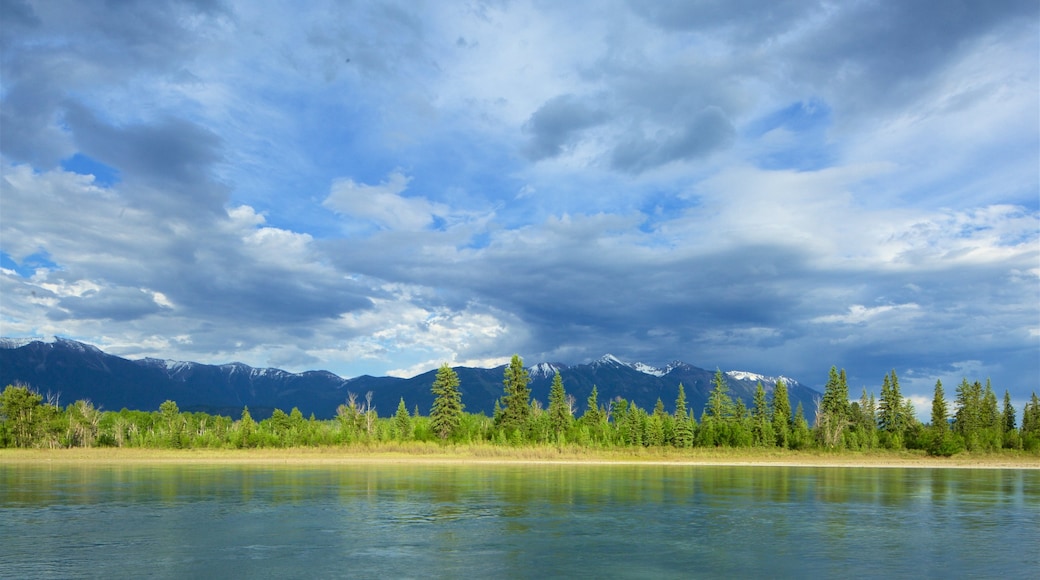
{"x": 781, "y": 414}
{"x": 867, "y": 421}
{"x": 834, "y": 412}
{"x": 940, "y": 414}
{"x": 1009, "y": 413}
{"x": 403, "y": 422}
{"x": 559, "y": 411}
{"x": 683, "y": 425}
{"x": 447, "y": 404}
{"x": 800, "y": 434}
{"x": 891, "y": 416}
{"x": 246, "y": 429}
{"x": 1031, "y": 423}
{"x": 762, "y": 428}
{"x": 592, "y": 415}
{"x": 968, "y": 417}
{"x": 720, "y": 404}
{"x": 516, "y": 400}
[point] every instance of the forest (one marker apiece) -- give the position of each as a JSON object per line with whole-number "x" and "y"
{"x": 973, "y": 421}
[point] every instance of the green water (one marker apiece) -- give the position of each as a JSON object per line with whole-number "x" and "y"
{"x": 517, "y": 521}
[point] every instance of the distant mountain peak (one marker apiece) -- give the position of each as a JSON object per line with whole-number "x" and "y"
{"x": 545, "y": 369}
{"x": 755, "y": 377}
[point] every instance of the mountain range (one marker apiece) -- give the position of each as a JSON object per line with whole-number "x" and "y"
{"x": 67, "y": 370}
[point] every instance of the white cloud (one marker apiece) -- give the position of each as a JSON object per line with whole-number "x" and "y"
{"x": 859, "y": 314}
{"x": 383, "y": 204}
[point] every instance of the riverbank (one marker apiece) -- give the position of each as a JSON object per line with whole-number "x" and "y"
{"x": 486, "y": 454}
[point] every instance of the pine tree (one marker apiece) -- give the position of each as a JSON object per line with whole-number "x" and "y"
{"x": 516, "y": 400}
{"x": 559, "y": 412}
{"x": 1031, "y": 422}
{"x": 720, "y": 404}
{"x": 592, "y": 415}
{"x": 683, "y": 425}
{"x": 781, "y": 414}
{"x": 402, "y": 422}
{"x": 891, "y": 416}
{"x": 1009, "y": 413}
{"x": 446, "y": 413}
{"x": 834, "y": 412}
{"x": 867, "y": 420}
{"x": 940, "y": 414}
{"x": 762, "y": 428}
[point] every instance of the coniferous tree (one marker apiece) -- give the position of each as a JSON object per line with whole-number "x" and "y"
{"x": 446, "y": 413}
{"x": 592, "y": 415}
{"x": 891, "y": 416}
{"x": 940, "y": 413}
{"x": 1031, "y": 423}
{"x": 559, "y": 411}
{"x": 834, "y": 412}
{"x": 762, "y": 428}
{"x": 867, "y": 421}
{"x": 683, "y": 425}
{"x": 800, "y": 434}
{"x": 403, "y": 422}
{"x": 720, "y": 404}
{"x": 968, "y": 417}
{"x": 516, "y": 400}
{"x": 781, "y": 414}
{"x": 1009, "y": 413}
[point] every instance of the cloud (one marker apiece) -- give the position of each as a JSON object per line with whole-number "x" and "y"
{"x": 707, "y": 131}
{"x": 348, "y": 186}
{"x": 557, "y": 123}
{"x": 383, "y": 204}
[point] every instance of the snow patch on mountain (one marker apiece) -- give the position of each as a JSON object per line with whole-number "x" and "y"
{"x": 649, "y": 370}
{"x": 20, "y": 342}
{"x": 755, "y": 377}
{"x": 544, "y": 370}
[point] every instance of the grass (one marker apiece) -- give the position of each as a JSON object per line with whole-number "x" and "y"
{"x": 420, "y": 452}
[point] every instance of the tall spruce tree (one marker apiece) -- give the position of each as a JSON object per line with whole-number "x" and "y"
{"x": 683, "y": 424}
{"x": 781, "y": 414}
{"x": 967, "y": 419}
{"x": 516, "y": 399}
{"x": 940, "y": 413}
{"x": 446, "y": 413}
{"x": 891, "y": 416}
{"x": 592, "y": 415}
{"x": 403, "y": 422}
{"x": 1009, "y": 413}
{"x": 834, "y": 412}
{"x": 720, "y": 404}
{"x": 559, "y": 411}
{"x": 761, "y": 427}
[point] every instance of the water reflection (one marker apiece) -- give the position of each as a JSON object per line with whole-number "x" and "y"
{"x": 485, "y": 520}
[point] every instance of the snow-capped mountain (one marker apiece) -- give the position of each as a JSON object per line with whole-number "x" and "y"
{"x": 72, "y": 370}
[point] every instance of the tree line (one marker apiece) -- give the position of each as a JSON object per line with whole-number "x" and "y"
{"x": 973, "y": 421}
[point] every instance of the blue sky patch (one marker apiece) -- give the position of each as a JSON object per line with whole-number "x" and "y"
{"x": 104, "y": 175}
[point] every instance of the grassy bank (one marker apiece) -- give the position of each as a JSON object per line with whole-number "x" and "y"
{"x": 438, "y": 454}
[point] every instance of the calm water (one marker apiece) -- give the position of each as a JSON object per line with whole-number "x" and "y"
{"x": 517, "y": 521}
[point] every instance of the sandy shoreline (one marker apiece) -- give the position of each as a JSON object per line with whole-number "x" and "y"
{"x": 332, "y": 456}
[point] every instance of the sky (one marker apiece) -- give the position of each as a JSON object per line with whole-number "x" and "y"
{"x": 381, "y": 187}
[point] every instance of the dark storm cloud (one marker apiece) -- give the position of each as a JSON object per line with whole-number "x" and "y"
{"x": 747, "y": 20}
{"x": 705, "y": 132}
{"x": 556, "y": 124}
{"x": 171, "y": 154}
{"x": 114, "y": 304}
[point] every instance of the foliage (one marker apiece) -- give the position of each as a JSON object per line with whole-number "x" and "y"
{"x": 447, "y": 404}
{"x": 516, "y": 399}
{"x": 980, "y": 425}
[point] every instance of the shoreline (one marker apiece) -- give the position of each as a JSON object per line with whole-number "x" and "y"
{"x": 478, "y": 455}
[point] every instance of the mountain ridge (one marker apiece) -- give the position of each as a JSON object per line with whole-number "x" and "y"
{"x": 79, "y": 370}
